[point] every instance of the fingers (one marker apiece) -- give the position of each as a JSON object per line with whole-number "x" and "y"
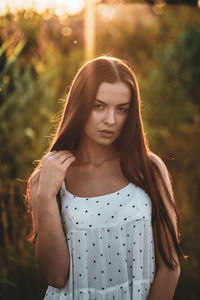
{"x": 59, "y": 157}
{"x": 51, "y": 153}
{"x": 64, "y": 156}
{"x": 54, "y": 153}
{"x": 68, "y": 161}
{"x": 58, "y": 154}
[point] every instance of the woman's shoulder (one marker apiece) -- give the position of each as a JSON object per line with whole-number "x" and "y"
{"x": 162, "y": 167}
{"x": 163, "y": 170}
{"x": 157, "y": 160}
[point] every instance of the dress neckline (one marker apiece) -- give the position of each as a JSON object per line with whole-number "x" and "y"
{"x": 108, "y": 194}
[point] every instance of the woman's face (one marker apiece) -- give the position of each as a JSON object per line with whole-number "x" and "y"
{"x": 109, "y": 113}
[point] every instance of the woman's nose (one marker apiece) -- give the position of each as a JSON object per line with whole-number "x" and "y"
{"x": 110, "y": 117}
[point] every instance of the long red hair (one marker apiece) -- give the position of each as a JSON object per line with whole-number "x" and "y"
{"x": 135, "y": 156}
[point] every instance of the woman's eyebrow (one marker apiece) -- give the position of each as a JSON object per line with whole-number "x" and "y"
{"x": 121, "y": 104}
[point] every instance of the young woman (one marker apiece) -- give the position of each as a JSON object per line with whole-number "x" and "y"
{"x": 113, "y": 234}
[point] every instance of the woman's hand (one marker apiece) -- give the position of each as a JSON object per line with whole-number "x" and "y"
{"x": 51, "y": 240}
{"x": 46, "y": 182}
{"x": 54, "y": 167}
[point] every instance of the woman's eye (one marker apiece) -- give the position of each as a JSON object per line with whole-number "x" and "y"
{"x": 122, "y": 109}
{"x": 100, "y": 106}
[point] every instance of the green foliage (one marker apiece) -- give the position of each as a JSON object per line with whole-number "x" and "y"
{"x": 21, "y": 90}
{"x": 172, "y": 112}
{"x": 28, "y": 102}
{"x": 33, "y": 76}
{"x": 173, "y": 85}
{"x": 16, "y": 254}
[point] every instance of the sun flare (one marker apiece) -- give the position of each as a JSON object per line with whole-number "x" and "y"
{"x": 59, "y": 7}
{"x": 75, "y": 6}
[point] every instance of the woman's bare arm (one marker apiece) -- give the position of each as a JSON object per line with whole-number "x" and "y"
{"x": 165, "y": 280}
{"x": 52, "y": 252}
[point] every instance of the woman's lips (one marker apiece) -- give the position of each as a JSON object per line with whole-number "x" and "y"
{"x": 106, "y": 133}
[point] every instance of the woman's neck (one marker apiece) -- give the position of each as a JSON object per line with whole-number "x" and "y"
{"x": 90, "y": 153}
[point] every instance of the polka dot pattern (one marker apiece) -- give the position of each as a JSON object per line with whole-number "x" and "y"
{"x": 111, "y": 246}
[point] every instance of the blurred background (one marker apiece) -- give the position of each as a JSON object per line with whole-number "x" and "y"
{"x": 42, "y": 45}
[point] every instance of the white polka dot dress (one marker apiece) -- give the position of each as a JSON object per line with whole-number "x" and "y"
{"x": 111, "y": 246}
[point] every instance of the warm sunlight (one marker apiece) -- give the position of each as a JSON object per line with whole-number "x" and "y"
{"x": 68, "y": 6}
{"x": 59, "y": 7}
{"x": 89, "y": 29}
{"x": 75, "y": 6}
